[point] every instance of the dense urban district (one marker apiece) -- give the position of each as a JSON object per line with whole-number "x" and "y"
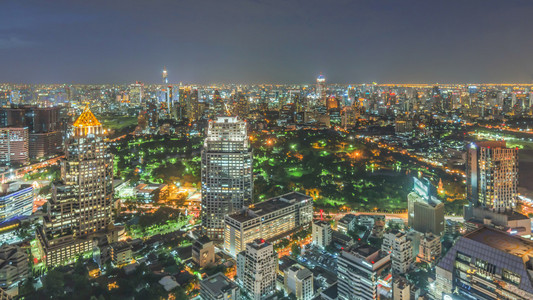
{"x": 315, "y": 191}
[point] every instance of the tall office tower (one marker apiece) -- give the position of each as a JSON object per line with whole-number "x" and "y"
{"x": 81, "y": 206}
{"x": 136, "y": 93}
{"x": 14, "y": 145}
{"x": 271, "y": 219}
{"x": 321, "y": 90}
{"x": 360, "y": 271}
{"x": 486, "y": 264}
{"x": 227, "y": 179}
{"x": 400, "y": 249}
{"x": 16, "y": 201}
{"x": 425, "y": 210}
{"x": 298, "y": 280}
{"x": 321, "y": 233}
{"x": 44, "y": 127}
{"x": 193, "y": 106}
{"x": 165, "y": 75}
{"x": 219, "y": 108}
{"x": 257, "y": 268}
{"x": 492, "y": 175}
{"x": 242, "y": 106}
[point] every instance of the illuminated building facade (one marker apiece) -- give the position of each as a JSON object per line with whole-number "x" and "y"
{"x": 486, "y": 264}
{"x": 425, "y": 210}
{"x": 360, "y": 271}
{"x": 399, "y": 246}
{"x": 81, "y": 205}
{"x": 227, "y": 179}
{"x": 322, "y": 233}
{"x": 14, "y": 145}
{"x": 269, "y": 220}
{"x": 492, "y": 176}
{"x": 257, "y": 269}
{"x": 321, "y": 90}
{"x": 44, "y": 127}
{"x": 16, "y": 200}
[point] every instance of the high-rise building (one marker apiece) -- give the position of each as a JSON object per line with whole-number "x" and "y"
{"x": 16, "y": 201}
{"x": 425, "y": 210}
{"x": 429, "y": 248}
{"x": 321, "y": 233}
{"x": 164, "y": 74}
{"x": 14, "y": 145}
{"x": 242, "y": 106}
{"x": 270, "y": 219}
{"x": 400, "y": 249}
{"x": 298, "y": 280}
{"x": 219, "y": 287}
{"x": 81, "y": 204}
{"x": 321, "y": 90}
{"x": 44, "y": 127}
{"x": 219, "y": 107}
{"x": 360, "y": 271}
{"x": 486, "y": 264}
{"x": 257, "y": 269}
{"x": 492, "y": 175}
{"x": 227, "y": 179}
{"x": 136, "y": 93}
{"x": 193, "y": 106}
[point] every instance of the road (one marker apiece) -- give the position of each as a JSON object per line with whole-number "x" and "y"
{"x": 20, "y": 172}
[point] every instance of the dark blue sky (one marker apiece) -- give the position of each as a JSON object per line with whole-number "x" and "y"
{"x": 266, "y": 41}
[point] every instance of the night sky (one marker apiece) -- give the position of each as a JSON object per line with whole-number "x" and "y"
{"x": 266, "y": 41}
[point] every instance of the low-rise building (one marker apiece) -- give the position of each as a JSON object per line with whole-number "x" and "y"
{"x": 218, "y": 287}
{"x": 203, "y": 252}
{"x": 14, "y": 265}
{"x": 347, "y": 223}
{"x": 121, "y": 253}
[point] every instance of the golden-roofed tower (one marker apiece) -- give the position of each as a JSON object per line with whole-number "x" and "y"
{"x": 86, "y": 118}
{"x": 87, "y": 123}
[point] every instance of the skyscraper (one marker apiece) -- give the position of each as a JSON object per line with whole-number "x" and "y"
{"x": 81, "y": 204}
{"x": 256, "y": 269}
{"x": 165, "y": 75}
{"x": 226, "y": 173}
{"x": 492, "y": 175}
{"x": 321, "y": 90}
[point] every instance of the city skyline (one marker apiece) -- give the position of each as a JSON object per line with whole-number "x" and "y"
{"x": 265, "y": 42}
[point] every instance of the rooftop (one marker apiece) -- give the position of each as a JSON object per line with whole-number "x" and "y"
{"x": 501, "y": 241}
{"x": 269, "y": 206}
{"x": 217, "y": 284}
{"x": 86, "y": 119}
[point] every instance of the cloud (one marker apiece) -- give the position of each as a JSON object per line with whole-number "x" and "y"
{"x": 14, "y": 42}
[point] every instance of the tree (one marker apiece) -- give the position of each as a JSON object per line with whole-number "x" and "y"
{"x": 296, "y": 250}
